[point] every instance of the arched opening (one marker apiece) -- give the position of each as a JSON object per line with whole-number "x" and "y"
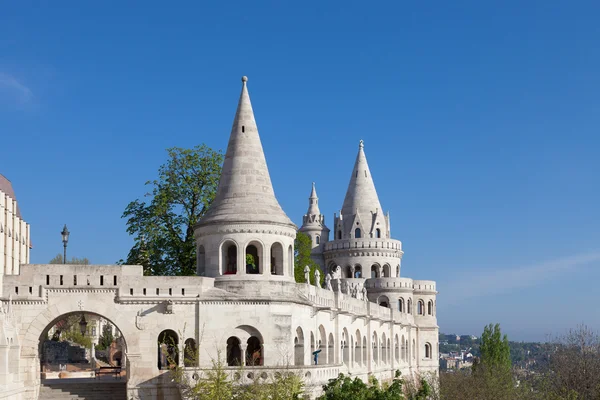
{"x": 386, "y": 271}
{"x": 388, "y": 351}
{"x": 421, "y": 307}
{"x": 414, "y": 350}
{"x": 277, "y": 259}
{"x": 318, "y": 239}
{"x": 375, "y": 271}
{"x": 384, "y": 301}
{"x": 254, "y": 352}
{"x": 312, "y": 346}
{"x": 190, "y": 353}
{"x": 253, "y": 261}
{"x": 348, "y": 272}
{"x": 403, "y": 349}
{"x": 378, "y": 233}
{"x": 330, "y": 350}
{"x": 299, "y": 347}
{"x": 427, "y": 350}
{"x": 322, "y": 345}
{"x": 200, "y": 261}
{"x": 234, "y": 352}
{"x": 357, "y": 233}
{"x": 401, "y": 304}
{"x": 345, "y": 347}
{"x": 396, "y": 349}
{"x": 339, "y": 235}
{"x": 409, "y": 307}
{"x": 375, "y": 348}
{"x": 229, "y": 258}
{"x": 358, "y": 271}
{"x": 430, "y": 307}
{"x": 70, "y": 345}
{"x": 168, "y": 349}
{"x": 290, "y": 260}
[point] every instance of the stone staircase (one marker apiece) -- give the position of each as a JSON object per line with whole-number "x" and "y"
{"x": 83, "y": 389}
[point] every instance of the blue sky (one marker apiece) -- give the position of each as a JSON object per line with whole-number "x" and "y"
{"x": 480, "y": 121}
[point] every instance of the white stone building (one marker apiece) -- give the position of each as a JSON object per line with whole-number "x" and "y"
{"x": 259, "y": 317}
{"x": 14, "y": 231}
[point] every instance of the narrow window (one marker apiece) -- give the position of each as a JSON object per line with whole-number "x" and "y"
{"x": 357, "y": 174}
{"x": 378, "y": 233}
{"x": 16, "y": 290}
{"x": 243, "y": 129}
{"x": 157, "y": 291}
{"x": 357, "y": 233}
{"x": 131, "y": 292}
{"x": 365, "y": 173}
{"x": 144, "y": 291}
{"x": 74, "y": 280}
{"x": 101, "y": 280}
{"x": 339, "y": 234}
{"x": 115, "y": 280}
{"x": 170, "y": 292}
{"x": 61, "y": 280}
{"x": 47, "y": 279}
{"x": 182, "y": 292}
{"x": 30, "y": 290}
{"x": 318, "y": 239}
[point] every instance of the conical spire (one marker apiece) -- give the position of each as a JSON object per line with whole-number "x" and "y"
{"x": 313, "y": 202}
{"x": 245, "y": 193}
{"x": 361, "y": 195}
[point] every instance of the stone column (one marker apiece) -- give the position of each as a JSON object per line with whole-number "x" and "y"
{"x": 241, "y": 261}
{"x": 243, "y": 347}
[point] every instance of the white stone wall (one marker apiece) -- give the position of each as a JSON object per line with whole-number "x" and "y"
{"x": 14, "y": 236}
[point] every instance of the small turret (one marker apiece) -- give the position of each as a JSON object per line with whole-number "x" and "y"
{"x": 313, "y": 224}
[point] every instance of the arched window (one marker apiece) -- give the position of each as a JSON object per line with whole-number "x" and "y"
{"x": 401, "y": 304}
{"x": 409, "y": 306}
{"x": 234, "y": 352}
{"x": 375, "y": 271}
{"x": 253, "y": 262}
{"x": 358, "y": 271}
{"x": 168, "y": 350}
{"x": 190, "y": 353}
{"x": 254, "y": 352}
{"x": 384, "y": 302}
{"x": 386, "y": 271}
{"x": 299, "y": 347}
{"x": 339, "y": 234}
{"x": 318, "y": 239}
{"x": 427, "y": 350}
{"x": 357, "y": 233}
{"x": 421, "y": 307}
{"x": 277, "y": 259}
{"x": 229, "y": 258}
{"x": 378, "y": 233}
{"x": 430, "y": 307}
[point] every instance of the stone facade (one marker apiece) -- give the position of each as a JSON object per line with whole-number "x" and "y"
{"x": 14, "y": 231}
{"x": 251, "y": 312}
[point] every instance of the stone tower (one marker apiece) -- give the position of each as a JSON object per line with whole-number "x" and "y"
{"x": 245, "y": 235}
{"x": 361, "y": 243}
{"x": 313, "y": 224}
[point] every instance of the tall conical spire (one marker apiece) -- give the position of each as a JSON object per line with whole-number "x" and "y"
{"x": 361, "y": 195}
{"x": 245, "y": 193}
{"x": 313, "y": 202}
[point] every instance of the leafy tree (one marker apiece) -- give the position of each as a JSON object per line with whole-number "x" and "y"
{"x": 302, "y": 250}
{"x": 74, "y": 260}
{"x": 495, "y": 350}
{"x": 163, "y": 225}
{"x": 106, "y": 339}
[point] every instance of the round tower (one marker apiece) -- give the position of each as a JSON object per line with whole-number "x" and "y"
{"x": 313, "y": 224}
{"x": 361, "y": 243}
{"x": 245, "y": 236}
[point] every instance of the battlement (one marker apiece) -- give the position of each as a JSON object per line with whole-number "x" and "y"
{"x": 364, "y": 244}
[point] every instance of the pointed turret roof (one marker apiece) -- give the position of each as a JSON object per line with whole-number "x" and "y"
{"x": 245, "y": 193}
{"x": 361, "y": 194}
{"x": 313, "y": 202}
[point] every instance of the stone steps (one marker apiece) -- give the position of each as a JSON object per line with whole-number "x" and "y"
{"x": 75, "y": 389}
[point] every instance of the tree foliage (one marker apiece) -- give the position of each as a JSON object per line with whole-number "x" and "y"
{"x": 302, "y": 250}
{"x": 74, "y": 260}
{"x": 106, "y": 339}
{"x": 163, "y": 223}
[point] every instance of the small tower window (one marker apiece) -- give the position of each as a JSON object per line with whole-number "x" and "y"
{"x": 243, "y": 129}
{"x": 378, "y": 233}
{"x": 357, "y": 233}
{"x": 339, "y": 234}
{"x": 318, "y": 239}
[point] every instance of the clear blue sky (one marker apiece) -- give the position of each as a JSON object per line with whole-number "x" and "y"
{"x": 480, "y": 121}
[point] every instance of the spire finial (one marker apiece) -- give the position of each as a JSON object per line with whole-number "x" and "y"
{"x": 361, "y": 144}
{"x": 244, "y": 79}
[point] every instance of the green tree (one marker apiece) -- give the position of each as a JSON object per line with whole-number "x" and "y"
{"x": 302, "y": 249}
{"x": 163, "y": 223}
{"x": 106, "y": 339}
{"x": 495, "y": 350}
{"x": 74, "y": 260}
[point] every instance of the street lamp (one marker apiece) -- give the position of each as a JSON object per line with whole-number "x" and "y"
{"x": 83, "y": 325}
{"x": 65, "y": 239}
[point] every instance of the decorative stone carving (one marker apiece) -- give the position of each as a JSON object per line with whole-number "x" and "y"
{"x": 307, "y": 274}
{"x": 317, "y": 277}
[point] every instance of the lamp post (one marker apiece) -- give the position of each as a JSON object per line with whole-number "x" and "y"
{"x": 65, "y": 239}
